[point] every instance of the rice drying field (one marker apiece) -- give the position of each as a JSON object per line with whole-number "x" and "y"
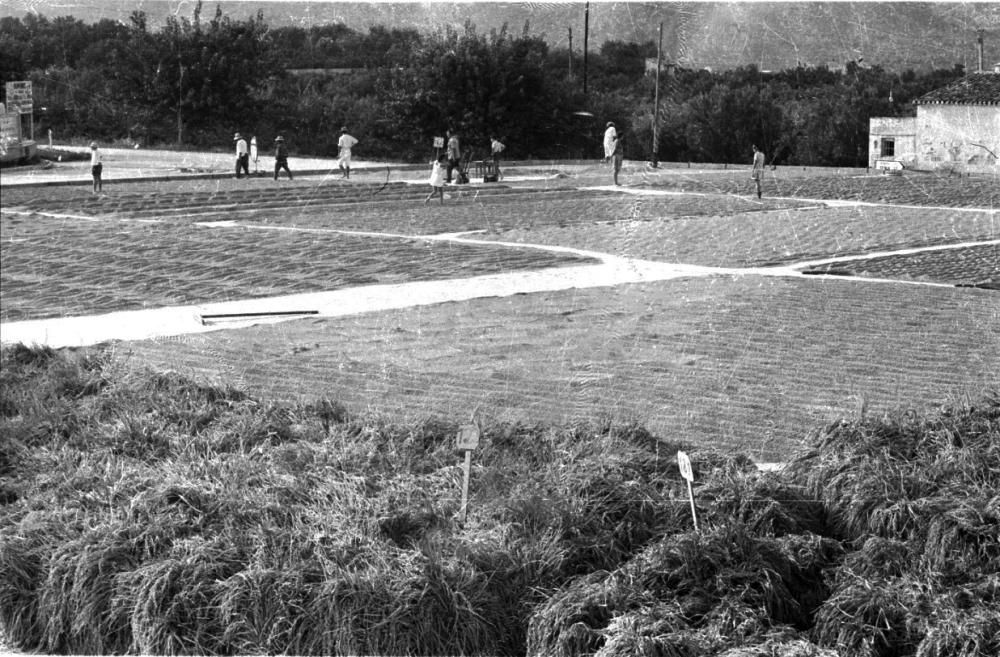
{"x": 294, "y": 487}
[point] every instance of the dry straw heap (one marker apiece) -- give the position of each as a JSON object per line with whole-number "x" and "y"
{"x": 145, "y": 513}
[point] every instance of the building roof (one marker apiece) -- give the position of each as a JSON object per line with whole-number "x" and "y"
{"x": 973, "y": 89}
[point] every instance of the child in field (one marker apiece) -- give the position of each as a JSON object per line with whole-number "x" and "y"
{"x": 437, "y": 179}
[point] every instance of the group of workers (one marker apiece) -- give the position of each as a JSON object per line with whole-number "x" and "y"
{"x": 613, "y": 152}
{"x": 450, "y": 162}
{"x": 243, "y": 154}
{"x": 442, "y": 167}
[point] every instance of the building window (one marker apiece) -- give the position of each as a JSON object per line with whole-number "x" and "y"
{"x": 888, "y": 147}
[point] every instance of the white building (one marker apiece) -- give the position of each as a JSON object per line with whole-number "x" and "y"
{"x": 893, "y": 139}
{"x": 956, "y": 129}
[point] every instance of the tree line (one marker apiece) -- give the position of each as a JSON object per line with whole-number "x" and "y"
{"x": 198, "y": 79}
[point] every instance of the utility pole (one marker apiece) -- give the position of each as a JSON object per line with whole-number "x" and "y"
{"x": 180, "y": 99}
{"x": 586, "y": 35}
{"x": 979, "y": 48}
{"x": 656, "y": 103}
{"x": 570, "y": 29}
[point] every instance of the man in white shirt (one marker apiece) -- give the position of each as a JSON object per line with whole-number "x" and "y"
{"x": 242, "y": 155}
{"x": 496, "y": 147}
{"x": 344, "y": 144}
{"x": 610, "y": 137}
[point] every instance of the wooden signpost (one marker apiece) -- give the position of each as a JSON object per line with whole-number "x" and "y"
{"x": 466, "y": 441}
{"x": 684, "y": 463}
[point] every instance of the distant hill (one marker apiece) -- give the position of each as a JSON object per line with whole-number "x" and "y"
{"x": 719, "y": 35}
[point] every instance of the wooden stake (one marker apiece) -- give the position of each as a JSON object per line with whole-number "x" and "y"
{"x": 466, "y": 441}
{"x": 694, "y": 514}
{"x": 684, "y": 463}
{"x": 464, "y": 513}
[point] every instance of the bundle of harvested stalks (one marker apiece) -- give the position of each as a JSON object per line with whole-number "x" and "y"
{"x": 718, "y": 586}
{"x": 917, "y": 496}
{"x": 152, "y": 514}
{"x": 764, "y": 502}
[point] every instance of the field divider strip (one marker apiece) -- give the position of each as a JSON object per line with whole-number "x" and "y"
{"x": 51, "y": 215}
{"x": 887, "y": 254}
{"x": 832, "y": 203}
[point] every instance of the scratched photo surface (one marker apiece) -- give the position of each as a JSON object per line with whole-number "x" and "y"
{"x": 480, "y": 328}
{"x": 679, "y": 299}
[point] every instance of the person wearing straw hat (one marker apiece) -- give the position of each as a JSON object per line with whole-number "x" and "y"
{"x": 242, "y": 155}
{"x": 96, "y": 165}
{"x": 281, "y": 157}
{"x": 345, "y": 144}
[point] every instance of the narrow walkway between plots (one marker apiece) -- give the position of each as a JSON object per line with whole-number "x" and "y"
{"x": 831, "y": 203}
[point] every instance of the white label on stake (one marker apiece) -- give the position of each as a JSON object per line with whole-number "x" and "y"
{"x": 685, "y": 465}
{"x": 468, "y": 437}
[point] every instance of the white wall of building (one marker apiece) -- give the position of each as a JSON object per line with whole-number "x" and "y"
{"x": 960, "y": 138}
{"x": 893, "y": 139}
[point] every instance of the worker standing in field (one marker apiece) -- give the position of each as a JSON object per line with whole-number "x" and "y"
{"x": 281, "y": 157}
{"x": 344, "y": 146}
{"x": 454, "y": 153}
{"x": 610, "y": 138}
{"x": 96, "y": 165}
{"x": 617, "y": 155}
{"x": 242, "y": 155}
{"x": 496, "y": 147}
{"x": 758, "y": 168}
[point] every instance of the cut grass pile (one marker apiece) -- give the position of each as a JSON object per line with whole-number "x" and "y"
{"x": 144, "y": 513}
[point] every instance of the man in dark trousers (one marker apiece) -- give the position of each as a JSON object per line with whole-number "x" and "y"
{"x": 242, "y": 155}
{"x": 617, "y": 155}
{"x": 454, "y": 155}
{"x": 281, "y": 157}
{"x": 758, "y": 168}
